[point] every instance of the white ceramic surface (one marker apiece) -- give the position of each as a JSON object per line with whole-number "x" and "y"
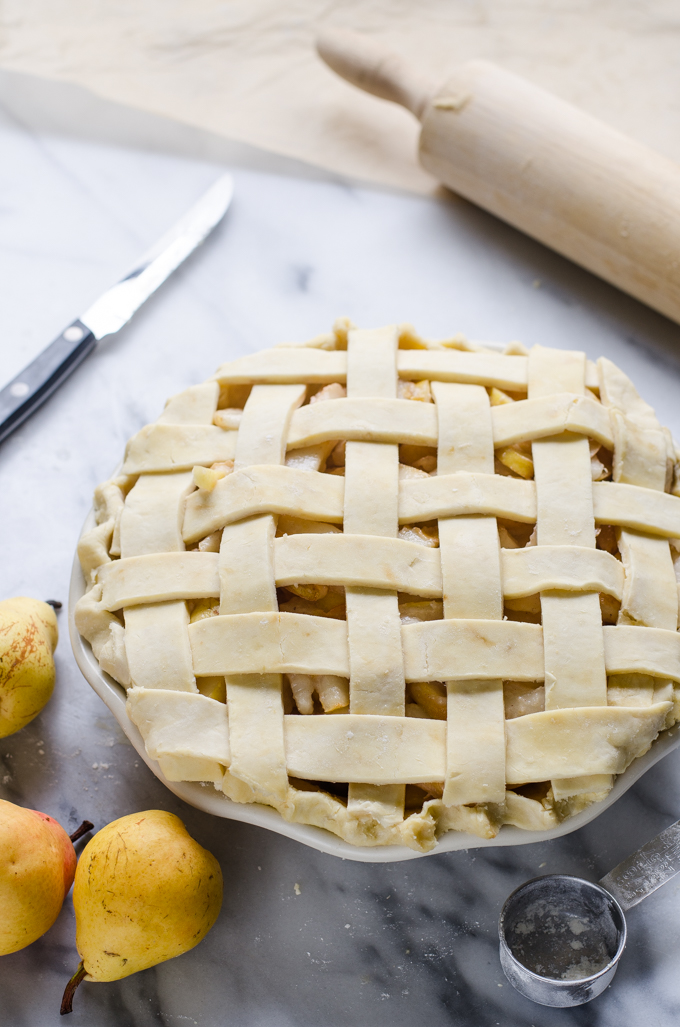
{"x": 208, "y": 799}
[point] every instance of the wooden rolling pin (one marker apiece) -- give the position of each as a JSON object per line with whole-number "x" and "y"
{"x": 560, "y": 175}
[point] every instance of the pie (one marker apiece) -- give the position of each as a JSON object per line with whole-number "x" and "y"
{"x": 393, "y": 587}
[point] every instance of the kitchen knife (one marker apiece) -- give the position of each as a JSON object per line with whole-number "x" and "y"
{"x": 31, "y": 387}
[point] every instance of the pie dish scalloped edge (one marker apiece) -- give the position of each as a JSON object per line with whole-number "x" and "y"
{"x": 205, "y": 797}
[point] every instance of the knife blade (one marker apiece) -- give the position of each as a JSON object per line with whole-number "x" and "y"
{"x": 31, "y": 387}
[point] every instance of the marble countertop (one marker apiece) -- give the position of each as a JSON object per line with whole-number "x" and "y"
{"x": 304, "y": 939}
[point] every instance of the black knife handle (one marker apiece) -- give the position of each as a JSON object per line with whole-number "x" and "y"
{"x": 42, "y": 376}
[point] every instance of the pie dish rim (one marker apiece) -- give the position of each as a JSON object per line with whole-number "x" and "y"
{"x": 206, "y": 798}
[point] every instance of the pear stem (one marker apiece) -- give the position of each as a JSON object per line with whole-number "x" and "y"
{"x": 70, "y": 990}
{"x": 80, "y": 831}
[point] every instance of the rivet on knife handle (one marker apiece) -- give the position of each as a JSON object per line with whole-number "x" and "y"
{"x": 42, "y": 376}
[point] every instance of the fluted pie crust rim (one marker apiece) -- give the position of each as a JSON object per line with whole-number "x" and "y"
{"x": 605, "y": 701}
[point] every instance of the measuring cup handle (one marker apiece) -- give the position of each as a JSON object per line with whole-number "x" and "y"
{"x": 644, "y": 871}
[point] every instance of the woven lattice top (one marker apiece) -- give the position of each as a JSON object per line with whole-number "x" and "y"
{"x": 392, "y": 587}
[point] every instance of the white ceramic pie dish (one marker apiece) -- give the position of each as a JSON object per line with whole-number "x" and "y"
{"x": 206, "y": 798}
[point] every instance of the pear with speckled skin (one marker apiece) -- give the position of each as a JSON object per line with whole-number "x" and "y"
{"x": 144, "y": 892}
{"x": 28, "y": 637}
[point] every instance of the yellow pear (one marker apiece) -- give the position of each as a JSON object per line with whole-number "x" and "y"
{"x": 28, "y": 637}
{"x": 37, "y": 863}
{"x": 145, "y": 891}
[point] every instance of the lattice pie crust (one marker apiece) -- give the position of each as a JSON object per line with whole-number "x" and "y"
{"x": 393, "y": 587}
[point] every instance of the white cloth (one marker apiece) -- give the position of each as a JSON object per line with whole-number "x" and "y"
{"x": 248, "y": 70}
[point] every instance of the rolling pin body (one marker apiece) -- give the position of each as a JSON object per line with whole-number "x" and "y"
{"x": 551, "y": 170}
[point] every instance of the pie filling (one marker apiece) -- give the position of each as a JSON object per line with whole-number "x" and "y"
{"x": 393, "y": 587}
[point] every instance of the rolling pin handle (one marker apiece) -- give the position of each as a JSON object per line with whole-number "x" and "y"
{"x": 375, "y": 69}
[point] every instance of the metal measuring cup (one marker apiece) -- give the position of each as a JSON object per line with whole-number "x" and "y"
{"x": 561, "y": 937}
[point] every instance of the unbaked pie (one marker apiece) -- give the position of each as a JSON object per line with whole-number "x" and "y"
{"x": 394, "y": 587}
